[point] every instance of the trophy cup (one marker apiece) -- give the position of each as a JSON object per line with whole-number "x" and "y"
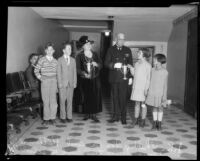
{"x": 89, "y": 68}
{"x": 124, "y": 71}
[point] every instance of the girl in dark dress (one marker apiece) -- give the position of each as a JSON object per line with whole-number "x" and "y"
{"x": 88, "y": 69}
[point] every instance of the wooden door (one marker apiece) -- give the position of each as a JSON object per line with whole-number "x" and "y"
{"x": 190, "y": 101}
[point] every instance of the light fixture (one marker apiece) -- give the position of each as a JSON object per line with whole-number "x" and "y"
{"x": 107, "y": 33}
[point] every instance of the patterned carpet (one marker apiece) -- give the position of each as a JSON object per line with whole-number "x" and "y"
{"x": 178, "y": 139}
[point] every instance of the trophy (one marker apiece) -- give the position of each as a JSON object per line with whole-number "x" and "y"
{"x": 124, "y": 71}
{"x": 89, "y": 68}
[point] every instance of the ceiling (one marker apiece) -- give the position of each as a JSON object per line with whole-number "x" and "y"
{"x": 73, "y": 18}
{"x": 102, "y": 13}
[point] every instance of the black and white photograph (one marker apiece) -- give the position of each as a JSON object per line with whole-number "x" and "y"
{"x": 102, "y": 81}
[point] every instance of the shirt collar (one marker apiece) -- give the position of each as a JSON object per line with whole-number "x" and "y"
{"x": 65, "y": 56}
{"x": 118, "y": 48}
{"x": 49, "y": 57}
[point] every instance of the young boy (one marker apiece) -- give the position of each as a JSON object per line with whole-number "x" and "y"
{"x": 33, "y": 81}
{"x": 67, "y": 81}
{"x": 45, "y": 71}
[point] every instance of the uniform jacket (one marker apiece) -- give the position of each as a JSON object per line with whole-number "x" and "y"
{"x": 115, "y": 55}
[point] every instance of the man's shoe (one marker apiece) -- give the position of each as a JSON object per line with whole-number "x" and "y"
{"x": 63, "y": 121}
{"x": 45, "y": 122}
{"x": 113, "y": 120}
{"x": 52, "y": 122}
{"x": 69, "y": 120}
{"x": 95, "y": 119}
{"x": 86, "y": 117}
{"x": 123, "y": 122}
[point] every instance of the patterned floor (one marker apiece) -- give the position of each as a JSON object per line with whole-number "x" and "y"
{"x": 178, "y": 139}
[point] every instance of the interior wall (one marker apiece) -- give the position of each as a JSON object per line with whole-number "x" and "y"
{"x": 138, "y": 30}
{"x": 177, "y": 52}
{"x": 28, "y": 32}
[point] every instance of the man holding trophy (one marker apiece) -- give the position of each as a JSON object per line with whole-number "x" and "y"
{"x": 117, "y": 59}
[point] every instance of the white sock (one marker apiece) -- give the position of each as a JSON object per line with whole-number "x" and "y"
{"x": 144, "y": 112}
{"x": 155, "y": 116}
{"x": 160, "y": 116}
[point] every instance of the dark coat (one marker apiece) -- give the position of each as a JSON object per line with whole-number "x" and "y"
{"x": 113, "y": 56}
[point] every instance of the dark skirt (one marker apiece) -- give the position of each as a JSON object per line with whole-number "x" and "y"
{"x": 78, "y": 97}
{"x": 92, "y": 97}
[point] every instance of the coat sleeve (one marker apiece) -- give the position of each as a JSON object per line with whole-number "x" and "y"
{"x": 78, "y": 65}
{"x": 75, "y": 74}
{"x": 59, "y": 73}
{"x": 108, "y": 60}
{"x": 98, "y": 60}
{"x": 130, "y": 62}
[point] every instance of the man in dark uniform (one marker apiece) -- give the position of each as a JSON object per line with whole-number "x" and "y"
{"x": 117, "y": 56}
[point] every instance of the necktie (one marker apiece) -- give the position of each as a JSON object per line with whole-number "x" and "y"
{"x": 67, "y": 59}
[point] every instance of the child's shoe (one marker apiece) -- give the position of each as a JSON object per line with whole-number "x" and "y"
{"x": 142, "y": 123}
{"x": 154, "y": 125}
{"x": 135, "y": 122}
{"x": 159, "y": 126}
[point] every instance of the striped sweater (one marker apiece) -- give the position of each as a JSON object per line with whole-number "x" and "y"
{"x": 46, "y": 69}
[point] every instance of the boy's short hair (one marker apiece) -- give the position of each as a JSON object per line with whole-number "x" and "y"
{"x": 65, "y": 43}
{"x": 160, "y": 58}
{"x": 48, "y": 45}
{"x": 32, "y": 55}
{"x": 145, "y": 52}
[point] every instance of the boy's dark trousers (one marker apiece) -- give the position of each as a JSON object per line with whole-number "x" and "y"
{"x": 119, "y": 100}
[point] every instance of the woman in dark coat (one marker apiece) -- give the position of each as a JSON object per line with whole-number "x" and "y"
{"x": 88, "y": 69}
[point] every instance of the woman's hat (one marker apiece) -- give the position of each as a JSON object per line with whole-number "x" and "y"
{"x": 84, "y": 39}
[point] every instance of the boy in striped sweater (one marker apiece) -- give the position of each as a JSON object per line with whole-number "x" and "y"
{"x": 45, "y": 71}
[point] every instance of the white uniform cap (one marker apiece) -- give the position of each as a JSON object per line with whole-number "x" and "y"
{"x": 120, "y": 36}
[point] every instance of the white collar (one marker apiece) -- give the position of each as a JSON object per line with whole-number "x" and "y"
{"x": 49, "y": 57}
{"x": 66, "y": 56}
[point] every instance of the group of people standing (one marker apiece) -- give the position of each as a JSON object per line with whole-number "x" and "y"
{"x": 149, "y": 85}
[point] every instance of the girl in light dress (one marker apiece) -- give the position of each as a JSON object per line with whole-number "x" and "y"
{"x": 141, "y": 73}
{"x": 157, "y": 93}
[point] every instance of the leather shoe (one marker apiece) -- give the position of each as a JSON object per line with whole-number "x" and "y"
{"x": 95, "y": 119}
{"x": 113, "y": 120}
{"x": 123, "y": 122}
{"x": 52, "y": 122}
{"x": 63, "y": 121}
{"x": 142, "y": 123}
{"x": 69, "y": 120}
{"x": 45, "y": 122}
{"x": 86, "y": 117}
